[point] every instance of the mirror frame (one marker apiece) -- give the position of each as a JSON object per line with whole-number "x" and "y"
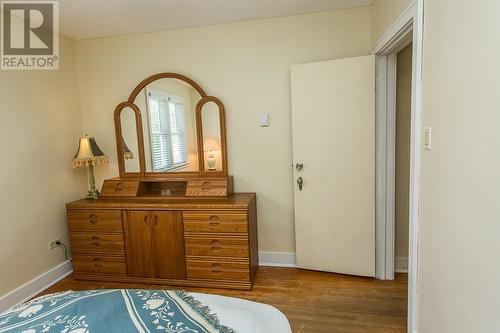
{"x": 119, "y": 141}
{"x": 199, "y": 130}
{"x": 140, "y": 137}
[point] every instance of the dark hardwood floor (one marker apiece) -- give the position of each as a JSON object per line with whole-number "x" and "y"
{"x": 314, "y": 302}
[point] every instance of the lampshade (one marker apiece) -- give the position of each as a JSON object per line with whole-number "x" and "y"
{"x": 127, "y": 154}
{"x": 89, "y": 153}
{"x": 210, "y": 144}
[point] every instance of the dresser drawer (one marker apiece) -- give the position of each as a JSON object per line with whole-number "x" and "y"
{"x": 227, "y": 222}
{"x": 96, "y": 242}
{"x": 217, "y": 270}
{"x": 207, "y": 187}
{"x": 120, "y": 188}
{"x": 85, "y": 220}
{"x": 217, "y": 246}
{"x": 99, "y": 264}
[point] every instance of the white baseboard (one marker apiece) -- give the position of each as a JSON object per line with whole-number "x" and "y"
{"x": 277, "y": 259}
{"x": 35, "y": 286}
{"x": 401, "y": 265}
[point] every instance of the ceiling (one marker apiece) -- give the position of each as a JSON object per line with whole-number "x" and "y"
{"x": 101, "y": 18}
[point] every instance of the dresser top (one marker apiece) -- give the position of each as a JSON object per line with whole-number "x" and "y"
{"x": 234, "y": 201}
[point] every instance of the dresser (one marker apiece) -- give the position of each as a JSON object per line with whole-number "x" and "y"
{"x": 208, "y": 242}
{"x": 171, "y": 217}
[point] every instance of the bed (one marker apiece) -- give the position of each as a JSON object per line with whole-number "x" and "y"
{"x": 135, "y": 310}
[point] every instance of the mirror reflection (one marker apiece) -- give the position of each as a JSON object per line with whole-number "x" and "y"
{"x": 129, "y": 140}
{"x": 169, "y": 125}
{"x": 212, "y": 153}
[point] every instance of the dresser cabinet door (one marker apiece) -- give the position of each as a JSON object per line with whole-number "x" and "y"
{"x": 168, "y": 234}
{"x": 139, "y": 239}
{"x": 155, "y": 244}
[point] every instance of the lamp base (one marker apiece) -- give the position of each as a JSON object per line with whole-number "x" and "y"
{"x": 93, "y": 194}
{"x": 211, "y": 162}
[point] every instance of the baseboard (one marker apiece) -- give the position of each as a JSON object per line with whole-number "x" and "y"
{"x": 401, "y": 265}
{"x": 277, "y": 259}
{"x": 35, "y": 286}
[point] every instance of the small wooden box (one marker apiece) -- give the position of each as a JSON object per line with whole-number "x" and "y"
{"x": 120, "y": 188}
{"x": 209, "y": 187}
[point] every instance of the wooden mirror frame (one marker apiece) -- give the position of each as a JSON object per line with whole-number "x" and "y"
{"x": 140, "y": 137}
{"x": 199, "y": 130}
{"x": 119, "y": 140}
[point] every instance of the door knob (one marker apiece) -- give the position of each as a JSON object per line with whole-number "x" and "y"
{"x": 299, "y": 166}
{"x": 300, "y": 182}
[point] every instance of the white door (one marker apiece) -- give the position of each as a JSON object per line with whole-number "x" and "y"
{"x": 333, "y": 123}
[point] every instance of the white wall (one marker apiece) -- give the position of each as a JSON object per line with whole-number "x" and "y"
{"x": 459, "y": 249}
{"x": 39, "y": 132}
{"x": 246, "y": 65}
{"x": 384, "y": 13}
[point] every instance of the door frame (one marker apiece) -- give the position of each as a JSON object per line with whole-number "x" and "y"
{"x": 407, "y": 27}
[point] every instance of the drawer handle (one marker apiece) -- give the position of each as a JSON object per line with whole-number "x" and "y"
{"x": 206, "y": 186}
{"x": 216, "y": 268}
{"x": 95, "y": 238}
{"x": 215, "y": 245}
{"x": 93, "y": 218}
{"x": 97, "y": 262}
{"x": 96, "y": 243}
{"x": 119, "y": 187}
{"x": 213, "y": 220}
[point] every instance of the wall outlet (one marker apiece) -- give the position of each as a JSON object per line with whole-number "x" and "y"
{"x": 53, "y": 243}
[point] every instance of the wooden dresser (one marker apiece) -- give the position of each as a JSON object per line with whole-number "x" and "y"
{"x": 171, "y": 216}
{"x": 208, "y": 242}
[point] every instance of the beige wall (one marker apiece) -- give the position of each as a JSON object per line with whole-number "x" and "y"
{"x": 39, "y": 132}
{"x": 460, "y": 213}
{"x": 384, "y": 13}
{"x": 245, "y": 64}
{"x": 403, "y": 122}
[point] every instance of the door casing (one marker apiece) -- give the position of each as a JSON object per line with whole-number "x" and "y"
{"x": 408, "y": 26}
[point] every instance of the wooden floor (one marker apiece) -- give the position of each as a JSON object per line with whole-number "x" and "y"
{"x": 314, "y": 302}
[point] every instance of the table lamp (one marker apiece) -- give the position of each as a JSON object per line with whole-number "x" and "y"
{"x": 88, "y": 155}
{"x": 127, "y": 153}
{"x": 210, "y": 146}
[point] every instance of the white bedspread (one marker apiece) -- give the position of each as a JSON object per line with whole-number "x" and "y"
{"x": 245, "y": 316}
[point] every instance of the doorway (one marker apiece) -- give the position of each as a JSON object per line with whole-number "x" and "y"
{"x": 408, "y": 28}
{"x": 402, "y": 158}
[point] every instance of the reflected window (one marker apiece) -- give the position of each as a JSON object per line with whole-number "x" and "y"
{"x": 167, "y": 131}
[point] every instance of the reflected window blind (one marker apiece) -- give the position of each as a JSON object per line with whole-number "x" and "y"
{"x": 167, "y": 130}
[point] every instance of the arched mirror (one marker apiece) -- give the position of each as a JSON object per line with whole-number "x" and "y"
{"x": 128, "y": 139}
{"x": 211, "y": 120}
{"x": 179, "y": 130}
{"x": 130, "y": 146}
{"x": 169, "y": 125}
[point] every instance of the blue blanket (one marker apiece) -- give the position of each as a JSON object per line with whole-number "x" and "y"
{"x": 108, "y": 311}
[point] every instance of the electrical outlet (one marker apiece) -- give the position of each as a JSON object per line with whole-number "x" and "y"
{"x": 53, "y": 243}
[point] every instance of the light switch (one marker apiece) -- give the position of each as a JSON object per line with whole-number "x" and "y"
{"x": 428, "y": 138}
{"x": 264, "y": 120}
